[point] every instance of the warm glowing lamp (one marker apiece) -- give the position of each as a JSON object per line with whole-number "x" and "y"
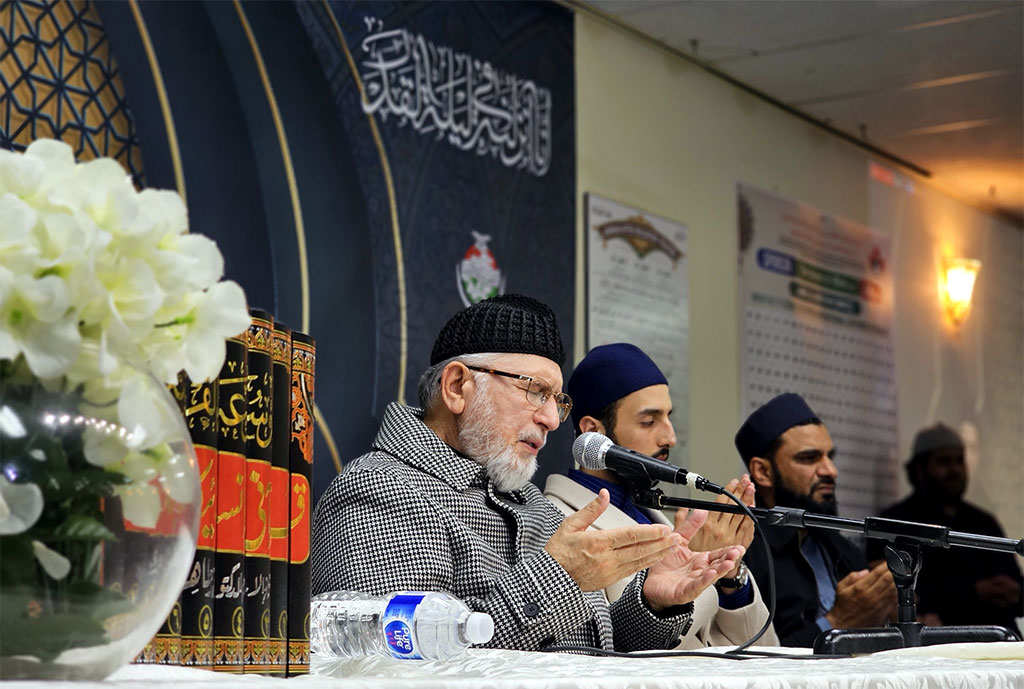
{"x": 958, "y": 285}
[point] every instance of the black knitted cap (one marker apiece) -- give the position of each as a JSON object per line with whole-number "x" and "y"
{"x": 769, "y": 421}
{"x": 506, "y": 324}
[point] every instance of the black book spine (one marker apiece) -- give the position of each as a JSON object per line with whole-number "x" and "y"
{"x": 229, "y": 558}
{"x": 259, "y": 392}
{"x": 277, "y": 646}
{"x": 197, "y": 594}
{"x": 300, "y": 501}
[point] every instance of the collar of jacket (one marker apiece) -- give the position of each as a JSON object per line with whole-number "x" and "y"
{"x": 404, "y": 436}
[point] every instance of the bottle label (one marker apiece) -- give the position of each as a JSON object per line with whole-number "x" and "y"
{"x": 398, "y": 625}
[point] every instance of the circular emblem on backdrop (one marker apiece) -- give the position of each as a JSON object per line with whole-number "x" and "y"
{"x": 237, "y": 622}
{"x": 478, "y": 275}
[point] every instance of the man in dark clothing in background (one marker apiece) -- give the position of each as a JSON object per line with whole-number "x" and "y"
{"x": 956, "y": 586}
{"x": 821, "y": 582}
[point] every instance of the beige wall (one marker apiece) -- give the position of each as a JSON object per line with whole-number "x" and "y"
{"x": 967, "y": 375}
{"x": 656, "y": 132}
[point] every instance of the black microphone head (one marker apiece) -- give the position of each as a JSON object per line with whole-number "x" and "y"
{"x": 589, "y": 450}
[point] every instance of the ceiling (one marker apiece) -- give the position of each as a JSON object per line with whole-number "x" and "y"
{"x": 938, "y": 84}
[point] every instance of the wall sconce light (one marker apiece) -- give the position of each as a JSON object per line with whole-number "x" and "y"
{"x": 959, "y": 275}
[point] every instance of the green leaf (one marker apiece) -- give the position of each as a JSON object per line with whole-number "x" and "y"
{"x": 17, "y": 562}
{"x": 46, "y": 636}
{"x": 81, "y": 485}
{"x": 99, "y": 603}
{"x": 91, "y": 565}
{"x": 79, "y": 527}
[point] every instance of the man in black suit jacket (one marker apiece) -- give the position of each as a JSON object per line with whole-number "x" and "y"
{"x": 821, "y": 580}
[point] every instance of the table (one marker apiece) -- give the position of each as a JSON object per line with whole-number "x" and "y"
{"x": 957, "y": 666}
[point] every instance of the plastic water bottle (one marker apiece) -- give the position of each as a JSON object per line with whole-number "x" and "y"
{"x": 412, "y": 624}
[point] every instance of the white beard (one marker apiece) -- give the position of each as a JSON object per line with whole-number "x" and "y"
{"x": 505, "y": 468}
{"x": 508, "y": 471}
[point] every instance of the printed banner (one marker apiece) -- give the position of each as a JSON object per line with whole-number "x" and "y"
{"x": 816, "y": 297}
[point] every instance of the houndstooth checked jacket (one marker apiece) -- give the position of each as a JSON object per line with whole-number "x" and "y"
{"x": 412, "y": 514}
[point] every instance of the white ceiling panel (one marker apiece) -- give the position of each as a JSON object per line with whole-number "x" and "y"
{"x": 938, "y": 84}
{"x": 895, "y": 113}
{"x": 885, "y": 60}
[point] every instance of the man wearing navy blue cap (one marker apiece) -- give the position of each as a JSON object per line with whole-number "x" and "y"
{"x": 620, "y": 392}
{"x": 443, "y": 502}
{"x": 821, "y": 579}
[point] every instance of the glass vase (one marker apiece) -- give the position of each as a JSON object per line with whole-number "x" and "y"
{"x": 98, "y": 518}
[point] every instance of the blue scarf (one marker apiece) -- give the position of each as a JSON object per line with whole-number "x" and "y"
{"x": 620, "y": 497}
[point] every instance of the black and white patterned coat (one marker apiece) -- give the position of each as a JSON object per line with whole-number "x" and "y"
{"x": 413, "y": 514}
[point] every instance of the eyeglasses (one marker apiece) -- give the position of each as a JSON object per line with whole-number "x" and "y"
{"x": 538, "y": 392}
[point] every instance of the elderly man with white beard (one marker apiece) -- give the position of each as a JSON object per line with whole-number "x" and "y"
{"x": 443, "y": 502}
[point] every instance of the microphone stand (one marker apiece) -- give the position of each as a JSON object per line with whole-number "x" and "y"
{"x": 903, "y": 557}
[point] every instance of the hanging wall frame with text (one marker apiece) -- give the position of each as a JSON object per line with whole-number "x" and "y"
{"x": 637, "y": 293}
{"x": 816, "y": 295}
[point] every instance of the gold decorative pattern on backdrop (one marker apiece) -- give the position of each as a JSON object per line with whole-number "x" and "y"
{"x": 59, "y": 79}
{"x": 389, "y": 183}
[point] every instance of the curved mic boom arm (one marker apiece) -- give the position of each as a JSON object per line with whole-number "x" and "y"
{"x": 891, "y": 530}
{"x": 903, "y": 557}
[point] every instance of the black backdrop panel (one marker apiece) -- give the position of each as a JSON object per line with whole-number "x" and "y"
{"x": 442, "y": 193}
{"x": 313, "y": 178}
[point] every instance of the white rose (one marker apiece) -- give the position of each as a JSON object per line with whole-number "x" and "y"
{"x": 188, "y": 263}
{"x": 35, "y": 321}
{"x": 20, "y": 506}
{"x": 54, "y": 564}
{"x": 19, "y": 249}
{"x": 195, "y": 341}
{"x": 145, "y": 412}
{"x": 140, "y": 503}
{"x": 20, "y": 174}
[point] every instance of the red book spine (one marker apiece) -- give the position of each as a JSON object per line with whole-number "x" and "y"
{"x": 300, "y": 501}
{"x": 229, "y": 558}
{"x": 281, "y": 354}
{"x": 197, "y": 594}
{"x": 259, "y": 392}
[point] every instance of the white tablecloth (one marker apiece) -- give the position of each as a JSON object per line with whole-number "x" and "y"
{"x": 959, "y": 666}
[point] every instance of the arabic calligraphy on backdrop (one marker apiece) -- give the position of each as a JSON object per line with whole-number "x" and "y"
{"x": 468, "y": 102}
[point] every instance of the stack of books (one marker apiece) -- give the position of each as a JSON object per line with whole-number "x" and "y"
{"x": 245, "y": 604}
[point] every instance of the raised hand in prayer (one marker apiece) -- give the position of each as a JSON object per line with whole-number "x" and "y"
{"x": 865, "y": 598}
{"x": 723, "y": 529}
{"x": 595, "y": 559}
{"x": 682, "y": 574}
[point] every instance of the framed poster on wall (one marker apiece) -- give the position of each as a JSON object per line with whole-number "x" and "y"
{"x": 636, "y": 291}
{"x": 815, "y": 318}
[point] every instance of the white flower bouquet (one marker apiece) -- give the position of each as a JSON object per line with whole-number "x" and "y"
{"x": 103, "y": 292}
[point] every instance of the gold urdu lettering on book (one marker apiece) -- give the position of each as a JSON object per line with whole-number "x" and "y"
{"x": 252, "y": 544}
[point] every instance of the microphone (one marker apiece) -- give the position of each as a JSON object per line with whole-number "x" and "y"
{"x": 595, "y": 451}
